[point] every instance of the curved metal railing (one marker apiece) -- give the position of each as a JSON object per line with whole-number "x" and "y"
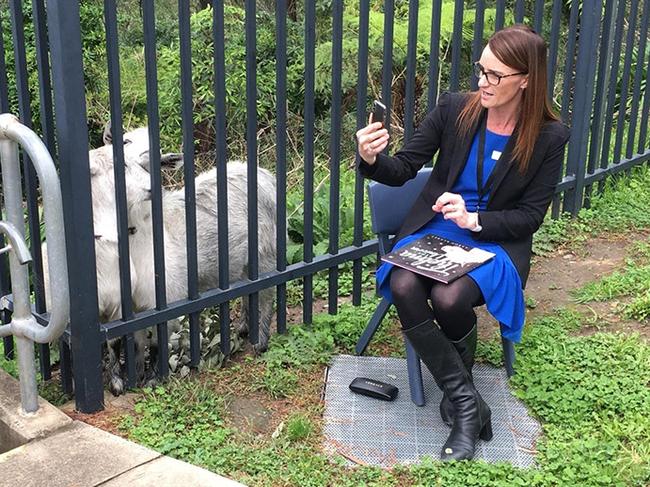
{"x": 23, "y": 325}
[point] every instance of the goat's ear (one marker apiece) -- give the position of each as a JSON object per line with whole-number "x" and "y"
{"x": 108, "y": 134}
{"x": 171, "y": 160}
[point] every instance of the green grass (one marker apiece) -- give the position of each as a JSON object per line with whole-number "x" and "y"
{"x": 49, "y": 390}
{"x": 623, "y": 205}
{"x": 9, "y": 366}
{"x": 590, "y": 393}
{"x": 304, "y": 347}
{"x": 620, "y": 208}
{"x": 632, "y": 282}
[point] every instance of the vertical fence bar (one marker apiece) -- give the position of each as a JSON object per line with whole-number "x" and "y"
{"x": 519, "y": 11}
{"x": 72, "y": 135}
{"x": 29, "y": 173}
{"x": 604, "y": 62}
{"x": 585, "y": 70}
{"x": 20, "y": 68}
{"x": 568, "y": 66}
{"x": 115, "y": 99}
{"x": 411, "y": 60}
{"x": 645, "y": 112}
{"x": 185, "y": 52}
{"x": 251, "y": 159}
{"x": 387, "y": 62}
{"x": 625, "y": 83}
{"x": 553, "y": 48}
{"x": 47, "y": 128}
{"x": 151, "y": 80}
{"x": 65, "y": 367}
{"x": 500, "y": 17}
{"x": 308, "y": 220}
{"x": 477, "y": 43}
{"x": 638, "y": 73}
{"x": 538, "y": 20}
{"x": 566, "y": 89}
{"x": 281, "y": 155}
{"x": 456, "y": 45}
{"x": 613, "y": 82}
{"x": 221, "y": 156}
{"x": 4, "y": 86}
{"x": 335, "y": 151}
{"x": 5, "y": 286}
{"x": 434, "y": 54}
{"x": 44, "y": 84}
{"x": 362, "y": 93}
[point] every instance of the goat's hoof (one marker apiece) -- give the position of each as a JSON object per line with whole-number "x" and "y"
{"x": 116, "y": 386}
{"x": 260, "y": 348}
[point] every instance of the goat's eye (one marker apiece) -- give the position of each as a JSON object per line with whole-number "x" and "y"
{"x": 127, "y": 141}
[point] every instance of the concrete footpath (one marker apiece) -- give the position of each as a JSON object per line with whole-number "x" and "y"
{"x": 48, "y": 449}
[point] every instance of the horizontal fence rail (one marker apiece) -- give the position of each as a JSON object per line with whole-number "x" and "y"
{"x": 282, "y": 87}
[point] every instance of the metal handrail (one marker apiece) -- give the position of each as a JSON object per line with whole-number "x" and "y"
{"x": 23, "y": 324}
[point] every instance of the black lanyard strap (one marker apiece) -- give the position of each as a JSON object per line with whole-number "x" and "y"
{"x": 480, "y": 189}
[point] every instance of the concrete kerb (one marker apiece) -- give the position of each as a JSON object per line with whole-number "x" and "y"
{"x": 48, "y": 449}
{"x": 18, "y": 428}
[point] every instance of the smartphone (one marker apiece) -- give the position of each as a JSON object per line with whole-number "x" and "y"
{"x": 379, "y": 112}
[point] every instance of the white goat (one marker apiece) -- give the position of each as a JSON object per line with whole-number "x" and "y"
{"x": 174, "y": 234}
{"x": 107, "y": 252}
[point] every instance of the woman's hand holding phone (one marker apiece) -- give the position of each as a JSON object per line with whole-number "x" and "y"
{"x": 373, "y": 138}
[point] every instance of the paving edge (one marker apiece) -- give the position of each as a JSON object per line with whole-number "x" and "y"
{"x": 17, "y": 427}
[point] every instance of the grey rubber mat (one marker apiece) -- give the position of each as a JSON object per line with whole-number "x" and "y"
{"x": 369, "y": 431}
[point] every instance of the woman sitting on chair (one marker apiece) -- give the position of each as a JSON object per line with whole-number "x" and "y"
{"x": 500, "y": 152}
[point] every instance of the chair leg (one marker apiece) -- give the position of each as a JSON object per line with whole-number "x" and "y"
{"x": 415, "y": 375}
{"x": 412, "y": 360}
{"x": 371, "y": 328}
{"x": 508, "y": 356}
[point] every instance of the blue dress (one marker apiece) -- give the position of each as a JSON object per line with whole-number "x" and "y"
{"x": 498, "y": 279}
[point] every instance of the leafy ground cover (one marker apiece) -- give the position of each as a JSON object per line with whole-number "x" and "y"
{"x": 258, "y": 420}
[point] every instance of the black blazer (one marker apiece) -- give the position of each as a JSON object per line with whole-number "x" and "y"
{"x": 517, "y": 203}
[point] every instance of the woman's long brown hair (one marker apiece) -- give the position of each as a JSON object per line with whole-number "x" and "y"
{"x": 519, "y": 47}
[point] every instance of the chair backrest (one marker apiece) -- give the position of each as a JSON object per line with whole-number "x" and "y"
{"x": 389, "y": 205}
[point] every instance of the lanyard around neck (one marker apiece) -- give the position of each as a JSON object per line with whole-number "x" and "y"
{"x": 480, "y": 189}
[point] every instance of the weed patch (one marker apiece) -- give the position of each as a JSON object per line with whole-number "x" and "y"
{"x": 590, "y": 393}
{"x": 633, "y": 281}
{"x": 623, "y": 203}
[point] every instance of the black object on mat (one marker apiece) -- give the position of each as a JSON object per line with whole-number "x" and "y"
{"x": 374, "y": 388}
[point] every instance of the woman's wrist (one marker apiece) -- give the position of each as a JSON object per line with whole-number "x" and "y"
{"x": 371, "y": 162}
{"x": 475, "y": 223}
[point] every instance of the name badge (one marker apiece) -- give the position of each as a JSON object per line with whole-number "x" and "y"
{"x": 496, "y": 155}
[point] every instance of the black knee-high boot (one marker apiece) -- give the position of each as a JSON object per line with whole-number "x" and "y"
{"x": 473, "y": 416}
{"x": 466, "y": 348}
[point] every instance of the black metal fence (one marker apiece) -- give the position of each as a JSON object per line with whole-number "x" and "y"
{"x": 598, "y": 74}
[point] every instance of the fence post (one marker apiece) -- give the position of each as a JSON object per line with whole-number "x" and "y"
{"x": 581, "y": 113}
{"x": 64, "y": 34}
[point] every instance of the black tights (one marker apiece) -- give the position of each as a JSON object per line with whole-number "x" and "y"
{"x": 452, "y": 305}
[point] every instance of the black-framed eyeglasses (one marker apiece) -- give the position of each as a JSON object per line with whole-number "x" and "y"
{"x": 492, "y": 78}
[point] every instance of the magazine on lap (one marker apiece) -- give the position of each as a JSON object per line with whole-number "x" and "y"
{"x": 438, "y": 258}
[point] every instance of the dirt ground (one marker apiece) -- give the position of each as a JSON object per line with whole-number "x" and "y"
{"x": 554, "y": 277}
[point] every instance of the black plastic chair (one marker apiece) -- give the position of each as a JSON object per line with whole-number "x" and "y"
{"x": 389, "y": 206}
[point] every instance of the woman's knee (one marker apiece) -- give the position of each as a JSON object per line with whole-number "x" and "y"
{"x": 445, "y": 300}
{"x": 404, "y": 285}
